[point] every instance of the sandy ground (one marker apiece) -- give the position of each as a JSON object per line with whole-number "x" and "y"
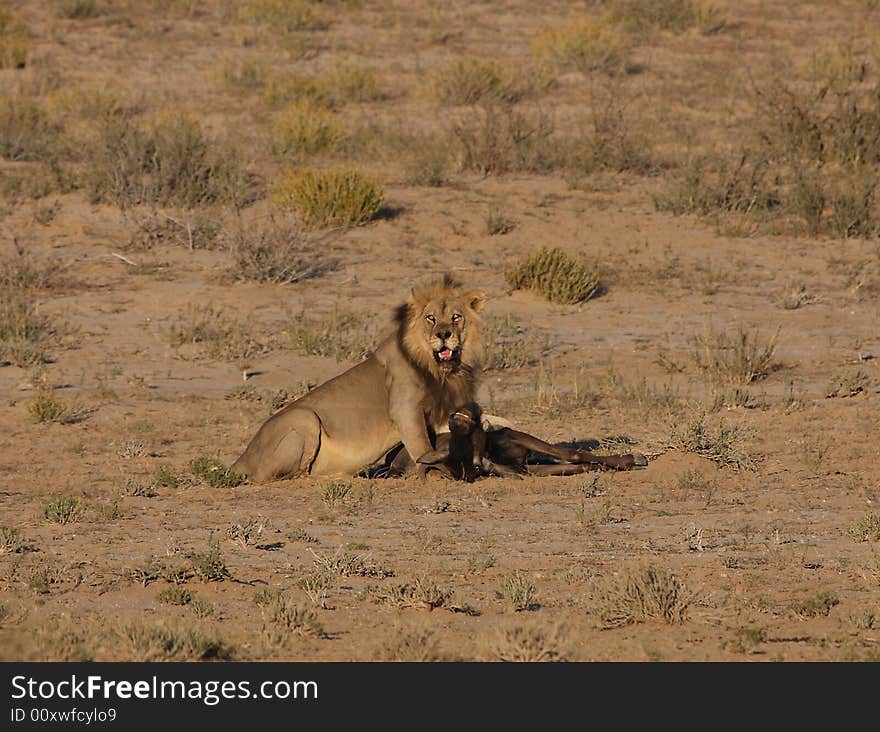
{"x": 769, "y": 566}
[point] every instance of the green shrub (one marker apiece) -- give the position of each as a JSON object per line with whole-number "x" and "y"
{"x": 330, "y": 198}
{"x": 555, "y": 275}
{"x": 304, "y": 128}
{"x": 214, "y": 473}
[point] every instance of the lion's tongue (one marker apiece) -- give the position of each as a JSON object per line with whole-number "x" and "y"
{"x": 445, "y": 355}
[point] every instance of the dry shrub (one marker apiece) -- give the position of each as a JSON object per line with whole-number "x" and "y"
{"x": 586, "y": 43}
{"x": 193, "y": 229}
{"x": 75, "y": 9}
{"x": 45, "y": 406}
{"x": 281, "y": 16}
{"x": 644, "y": 16}
{"x": 428, "y": 161}
{"x": 418, "y": 645}
{"x": 639, "y": 595}
{"x": 14, "y": 42}
{"x": 526, "y": 644}
{"x": 343, "y": 197}
{"x": 737, "y": 359}
{"x": 26, "y": 132}
{"x": 510, "y": 345}
{"x": 500, "y": 139}
{"x": 470, "y": 80}
{"x": 556, "y": 275}
{"x": 170, "y": 163}
{"x": 276, "y": 251}
{"x": 422, "y": 593}
{"x": 607, "y": 141}
{"x": 709, "y": 184}
{"x": 304, "y": 128}
{"x": 721, "y": 444}
{"x": 343, "y": 336}
{"x": 215, "y": 332}
{"x": 866, "y": 528}
{"x": 285, "y": 618}
{"x": 160, "y": 642}
{"x": 215, "y": 473}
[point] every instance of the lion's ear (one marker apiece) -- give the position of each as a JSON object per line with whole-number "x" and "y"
{"x": 475, "y": 300}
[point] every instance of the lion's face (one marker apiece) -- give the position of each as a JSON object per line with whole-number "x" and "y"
{"x": 442, "y": 328}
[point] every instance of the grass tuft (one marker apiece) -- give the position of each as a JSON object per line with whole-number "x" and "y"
{"x": 636, "y": 596}
{"x": 215, "y": 473}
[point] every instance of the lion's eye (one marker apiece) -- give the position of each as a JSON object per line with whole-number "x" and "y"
{"x": 456, "y": 317}
{"x": 430, "y": 319}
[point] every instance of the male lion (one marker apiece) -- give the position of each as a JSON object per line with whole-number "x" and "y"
{"x": 404, "y": 391}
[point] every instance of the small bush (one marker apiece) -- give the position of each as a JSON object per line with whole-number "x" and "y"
{"x": 348, "y": 564}
{"x": 422, "y": 593}
{"x": 336, "y": 493}
{"x": 26, "y": 133}
{"x": 276, "y": 251}
{"x": 304, "y": 128}
{"x": 14, "y": 44}
{"x": 555, "y": 275}
{"x": 471, "y": 80}
{"x": 526, "y": 644}
{"x": 736, "y": 359}
{"x": 214, "y": 473}
{"x": 330, "y": 198}
{"x": 215, "y": 331}
{"x": 45, "y": 406}
{"x": 494, "y": 140}
{"x": 637, "y": 596}
{"x": 517, "y": 592}
{"x": 289, "y": 618}
{"x": 11, "y": 541}
{"x": 677, "y": 16}
{"x": 171, "y": 163}
{"x": 175, "y": 596}
{"x": 281, "y": 16}
{"x": 156, "y": 642}
{"x": 721, "y": 445}
{"x": 818, "y": 605}
{"x": 587, "y": 44}
{"x": 247, "y": 533}
{"x": 428, "y": 162}
{"x": 75, "y": 9}
{"x": 344, "y": 336}
{"x": 62, "y": 511}
{"x": 209, "y": 565}
{"x": 848, "y": 383}
{"x": 866, "y": 528}
{"x": 165, "y": 477}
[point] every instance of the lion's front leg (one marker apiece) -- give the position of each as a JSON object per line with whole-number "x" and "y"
{"x": 413, "y": 430}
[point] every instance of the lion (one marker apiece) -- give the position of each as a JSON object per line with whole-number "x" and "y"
{"x": 403, "y": 392}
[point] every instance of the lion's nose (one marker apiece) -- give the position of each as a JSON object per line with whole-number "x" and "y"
{"x": 444, "y": 334}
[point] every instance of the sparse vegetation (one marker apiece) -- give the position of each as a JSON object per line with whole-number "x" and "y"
{"x": 470, "y": 80}
{"x": 639, "y": 595}
{"x": 721, "y": 444}
{"x": 422, "y": 593}
{"x": 11, "y": 541}
{"x": 344, "y": 336}
{"x": 209, "y": 565}
{"x": 336, "y": 493}
{"x": 866, "y": 528}
{"x": 214, "y": 473}
{"x": 325, "y": 199}
{"x": 815, "y": 606}
{"x": 517, "y": 592}
{"x": 171, "y": 163}
{"x": 526, "y": 644}
{"x": 215, "y": 332}
{"x": 494, "y": 140}
{"x": 286, "y": 618}
{"x": 64, "y": 510}
{"x": 277, "y": 251}
{"x": 45, "y": 406}
{"x": 737, "y": 359}
{"x": 348, "y": 564}
{"x": 556, "y": 275}
{"x": 247, "y": 533}
{"x": 587, "y": 43}
{"x": 150, "y": 642}
{"x": 848, "y": 383}
{"x": 304, "y": 128}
